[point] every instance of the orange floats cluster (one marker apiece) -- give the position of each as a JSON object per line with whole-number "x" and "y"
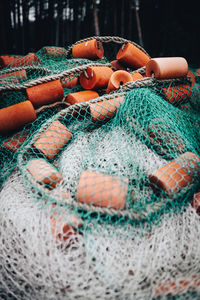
{"x": 177, "y": 174}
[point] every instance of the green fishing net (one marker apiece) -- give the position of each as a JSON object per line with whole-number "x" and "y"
{"x": 96, "y": 196}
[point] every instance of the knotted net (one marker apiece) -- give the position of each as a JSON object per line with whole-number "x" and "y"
{"x": 82, "y": 215}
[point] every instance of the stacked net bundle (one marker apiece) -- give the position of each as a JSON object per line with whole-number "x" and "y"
{"x": 99, "y": 175}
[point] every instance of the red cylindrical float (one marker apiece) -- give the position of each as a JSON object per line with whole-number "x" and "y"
{"x": 102, "y": 190}
{"x": 82, "y": 96}
{"x": 117, "y": 79}
{"x": 177, "y": 174}
{"x": 16, "y": 116}
{"x": 53, "y": 139}
{"x": 167, "y": 67}
{"x": 45, "y": 93}
{"x": 98, "y": 77}
{"x": 92, "y": 49}
{"x": 132, "y": 56}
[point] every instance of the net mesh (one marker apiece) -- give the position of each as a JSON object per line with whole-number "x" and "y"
{"x": 96, "y": 196}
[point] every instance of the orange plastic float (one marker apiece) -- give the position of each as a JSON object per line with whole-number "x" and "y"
{"x": 177, "y": 94}
{"x": 53, "y": 139}
{"x": 117, "y": 79}
{"x": 28, "y": 60}
{"x": 92, "y": 49}
{"x": 70, "y": 84}
{"x": 54, "y": 51}
{"x": 192, "y": 76}
{"x": 131, "y": 56}
{"x": 43, "y": 172}
{"x": 117, "y": 66}
{"x": 16, "y": 141}
{"x": 45, "y": 93}
{"x": 161, "y": 136}
{"x": 16, "y": 116}
{"x": 6, "y": 60}
{"x": 17, "y": 74}
{"x": 177, "y": 287}
{"x": 167, "y": 67}
{"x": 102, "y": 190}
{"x": 98, "y": 77}
{"x": 82, "y": 96}
{"x": 136, "y": 76}
{"x": 105, "y": 110}
{"x": 196, "y": 203}
{"x": 63, "y": 228}
{"x": 176, "y": 174}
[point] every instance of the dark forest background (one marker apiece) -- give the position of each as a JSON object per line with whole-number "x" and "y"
{"x": 162, "y": 27}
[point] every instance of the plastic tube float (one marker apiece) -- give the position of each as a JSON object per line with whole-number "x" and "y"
{"x": 43, "y": 172}
{"x": 53, "y": 139}
{"x": 82, "y": 96}
{"x": 92, "y": 49}
{"x": 177, "y": 174}
{"x": 105, "y": 110}
{"x": 17, "y": 74}
{"x": 97, "y": 77}
{"x": 136, "y": 76}
{"x": 131, "y": 56}
{"x": 14, "y": 142}
{"x": 167, "y": 67}
{"x": 45, "y": 93}
{"x": 117, "y": 79}
{"x": 28, "y": 60}
{"x": 16, "y": 116}
{"x": 196, "y": 203}
{"x": 6, "y": 60}
{"x": 102, "y": 190}
{"x": 69, "y": 84}
{"x": 177, "y": 95}
{"x": 117, "y": 66}
{"x": 54, "y": 51}
{"x": 64, "y": 227}
{"x": 178, "y": 287}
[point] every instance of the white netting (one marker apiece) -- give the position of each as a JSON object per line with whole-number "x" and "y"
{"x": 99, "y": 263}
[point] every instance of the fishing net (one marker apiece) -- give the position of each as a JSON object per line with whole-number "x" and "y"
{"x": 99, "y": 198}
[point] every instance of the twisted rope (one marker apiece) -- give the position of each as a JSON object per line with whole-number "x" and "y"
{"x": 74, "y": 71}
{"x": 107, "y": 39}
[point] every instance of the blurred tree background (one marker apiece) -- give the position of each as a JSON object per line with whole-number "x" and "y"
{"x": 163, "y": 28}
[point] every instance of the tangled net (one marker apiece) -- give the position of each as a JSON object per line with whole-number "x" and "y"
{"x": 96, "y": 195}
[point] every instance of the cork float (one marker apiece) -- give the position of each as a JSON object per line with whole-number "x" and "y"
{"x": 102, "y": 190}
{"x": 45, "y": 93}
{"x": 131, "y": 56}
{"x": 177, "y": 174}
{"x": 96, "y": 78}
{"x": 91, "y": 49}
{"x": 53, "y": 139}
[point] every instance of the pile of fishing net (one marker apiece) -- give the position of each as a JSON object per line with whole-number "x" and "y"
{"x": 100, "y": 166}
